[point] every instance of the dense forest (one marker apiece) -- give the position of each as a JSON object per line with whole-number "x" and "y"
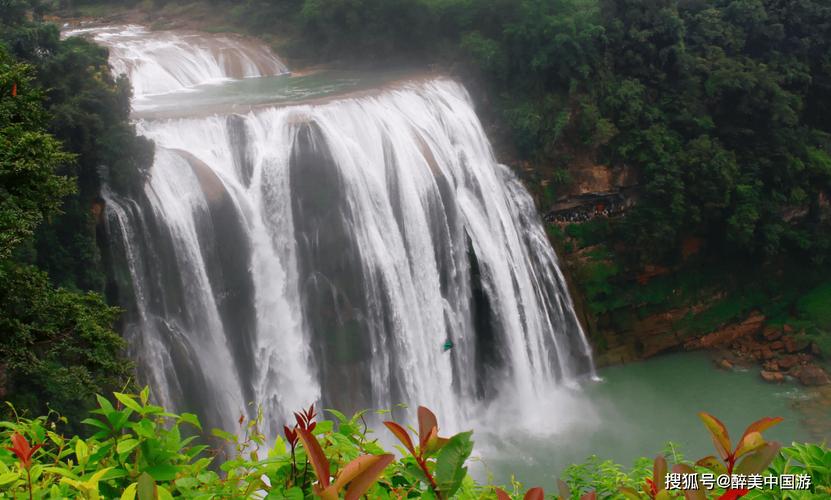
{"x": 722, "y": 108}
{"x": 63, "y": 127}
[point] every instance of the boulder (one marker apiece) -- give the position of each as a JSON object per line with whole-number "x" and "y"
{"x": 771, "y": 333}
{"x": 788, "y": 362}
{"x": 812, "y": 375}
{"x": 773, "y": 377}
{"x": 729, "y": 334}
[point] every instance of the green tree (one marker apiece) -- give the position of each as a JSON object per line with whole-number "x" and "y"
{"x": 29, "y": 157}
{"x": 57, "y": 347}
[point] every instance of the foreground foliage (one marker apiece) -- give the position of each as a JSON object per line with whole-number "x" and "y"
{"x": 138, "y": 450}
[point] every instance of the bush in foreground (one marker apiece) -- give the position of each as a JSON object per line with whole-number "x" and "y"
{"x": 138, "y": 450}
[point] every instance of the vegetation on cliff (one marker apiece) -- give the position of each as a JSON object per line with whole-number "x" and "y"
{"x": 63, "y": 121}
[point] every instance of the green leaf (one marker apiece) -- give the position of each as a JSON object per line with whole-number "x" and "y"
{"x": 190, "y": 418}
{"x": 187, "y": 483}
{"x": 225, "y": 436}
{"x": 129, "y": 402}
{"x": 164, "y": 494}
{"x": 144, "y": 428}
{"x": 450, "y": 469}
{"x": 81, "y": 452}
{"x": 627, "y": 492}
{"x": 340, "y": 416}
{"x": 119, "y": 418}
{"x": 94, "y": 422}
{"x": 147, "y": 489}
{"x": 162, "y": 472}
{"x": 323, "y": 427}
{"x": 294, "y": 493}
{"x": 105, "y": 404}
{"x": 126, "y": 446}
{"x": 8, "y": 478}
{"x": 130, "y": 492}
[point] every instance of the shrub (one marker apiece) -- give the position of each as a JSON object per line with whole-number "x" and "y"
{"x": 138, "y": 450}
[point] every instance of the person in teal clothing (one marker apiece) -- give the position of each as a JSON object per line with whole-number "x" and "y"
{"x": 448, "y": 344}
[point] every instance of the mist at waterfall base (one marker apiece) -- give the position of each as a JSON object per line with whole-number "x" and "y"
{"x": 285, "y": 253}
{"x": 635, "y": 411}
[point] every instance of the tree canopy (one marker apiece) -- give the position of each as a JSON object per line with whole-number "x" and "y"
{"x": 62, "y": 118}
{"x": 721, "y": 106}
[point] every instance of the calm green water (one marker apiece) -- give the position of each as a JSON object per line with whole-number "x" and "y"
{"x": 236, "y": 96}
{"x": 634, "y": 412}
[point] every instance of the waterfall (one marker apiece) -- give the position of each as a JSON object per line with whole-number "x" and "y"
{"x": 162, "y": 62}
{"x": 332, "y": 252}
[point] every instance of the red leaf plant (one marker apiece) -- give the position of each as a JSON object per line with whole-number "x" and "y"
{"x": 20, "y": 447}
{"x": 429, "y": 442}
{"x": 356, "y": 477}
{"x": 757, "y": 452}
{"x": 305, "y": 421}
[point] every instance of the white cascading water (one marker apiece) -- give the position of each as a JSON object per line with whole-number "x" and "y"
{"x": 334, "y": 252}
{"x": 160, "y": 62}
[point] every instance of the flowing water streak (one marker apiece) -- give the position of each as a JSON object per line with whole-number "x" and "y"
{"x": 329, "y": 251}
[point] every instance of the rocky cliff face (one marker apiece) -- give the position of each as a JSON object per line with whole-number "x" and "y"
{"x": 593, "y": 190}
{"x": 637, "y": 313}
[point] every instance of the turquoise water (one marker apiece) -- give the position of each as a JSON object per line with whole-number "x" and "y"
{"x": 634, "y": 412}
{"x": 237, "y": 96}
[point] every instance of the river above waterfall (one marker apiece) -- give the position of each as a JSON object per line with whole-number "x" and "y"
{"x": 242, "y": 96}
